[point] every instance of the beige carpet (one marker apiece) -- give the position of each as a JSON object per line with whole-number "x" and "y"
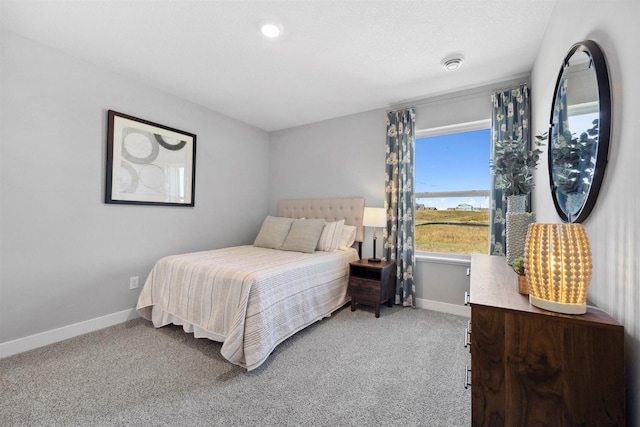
{"x": 404, "y": 369}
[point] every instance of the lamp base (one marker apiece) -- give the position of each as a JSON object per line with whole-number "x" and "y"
{"x": 374, "y": 260}
{"x": 558, "y": 307}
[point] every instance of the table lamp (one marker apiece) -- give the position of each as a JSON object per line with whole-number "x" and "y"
{"x": 558, "y": 267}
{"x": 374, "y": 217}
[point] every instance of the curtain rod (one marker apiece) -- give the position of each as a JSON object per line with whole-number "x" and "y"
{"x": 441, "y": 98}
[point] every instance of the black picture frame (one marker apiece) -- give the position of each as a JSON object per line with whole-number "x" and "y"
{"x": 148, "y": 163}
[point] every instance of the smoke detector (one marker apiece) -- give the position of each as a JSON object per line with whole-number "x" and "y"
{"x": 452, "y": 63}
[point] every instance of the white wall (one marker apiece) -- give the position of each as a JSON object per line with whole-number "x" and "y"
{"x": 66, "y": 256}
{"x": 614, "y": 225}
{"x": 332, "y": 158}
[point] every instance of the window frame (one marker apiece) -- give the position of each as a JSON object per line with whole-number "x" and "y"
{"x": 443, "y": 257}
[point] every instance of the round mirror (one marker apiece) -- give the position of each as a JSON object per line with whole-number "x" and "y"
{"x": 579, "y": 131}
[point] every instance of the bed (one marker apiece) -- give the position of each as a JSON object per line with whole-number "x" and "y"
{"x": 253, "y": 297}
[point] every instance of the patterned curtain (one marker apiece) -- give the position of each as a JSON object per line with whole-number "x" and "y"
{"x": 399, "y": 201}
{"x": 509, "y": 118}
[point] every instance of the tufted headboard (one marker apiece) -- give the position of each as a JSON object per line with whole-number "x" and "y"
{"x": 349, "y": 209}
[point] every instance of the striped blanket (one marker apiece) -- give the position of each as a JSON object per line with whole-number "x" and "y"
{"x": 249, "y": 298}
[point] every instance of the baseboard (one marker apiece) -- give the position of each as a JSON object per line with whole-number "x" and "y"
{"x": 31, "y": 342}
{"x": 443, "y": 307}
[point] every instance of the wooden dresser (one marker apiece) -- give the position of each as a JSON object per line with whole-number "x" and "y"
{"x": 534, "y": 367}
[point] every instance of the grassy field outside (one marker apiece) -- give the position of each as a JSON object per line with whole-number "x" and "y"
{"x": 451, "y": 231}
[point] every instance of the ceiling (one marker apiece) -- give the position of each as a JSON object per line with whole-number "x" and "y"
{"x": 333, "y": 59}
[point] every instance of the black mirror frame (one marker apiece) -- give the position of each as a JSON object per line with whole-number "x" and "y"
{"x": 593, "y": 50}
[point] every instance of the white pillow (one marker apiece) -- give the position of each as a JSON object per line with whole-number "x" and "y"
{"x": 304, "y": 235}
{"x": 273, "y": 232}
{"x": 330, "y": 237}
{"x": 347, "y": 237}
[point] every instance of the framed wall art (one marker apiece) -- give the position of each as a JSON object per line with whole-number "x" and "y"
{"x": 148, "y": 163}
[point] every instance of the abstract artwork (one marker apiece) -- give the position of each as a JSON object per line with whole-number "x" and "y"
{"x": 148, "y": 163}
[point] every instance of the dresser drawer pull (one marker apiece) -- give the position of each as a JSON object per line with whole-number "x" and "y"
{"x": 467, "y": 378}
{"x": 467, "y": 342}
{"x": 466, "y": 298}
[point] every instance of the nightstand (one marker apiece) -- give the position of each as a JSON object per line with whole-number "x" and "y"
{"x": 372, "y": 283}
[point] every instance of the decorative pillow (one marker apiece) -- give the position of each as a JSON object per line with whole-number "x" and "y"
{"x": 347, "y": 238}
{"x": 273, "y": 232}
{"x": 304, "y": 235}
{"x": 330, "y": 237}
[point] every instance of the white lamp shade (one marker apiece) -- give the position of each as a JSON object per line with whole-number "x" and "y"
{"x": 374, "y": 217}
{"x": 558, "y": 267}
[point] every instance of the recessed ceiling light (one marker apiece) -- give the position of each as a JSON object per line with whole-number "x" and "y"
{"x": 452, "y": 63}
{"x": 271, "y": 29}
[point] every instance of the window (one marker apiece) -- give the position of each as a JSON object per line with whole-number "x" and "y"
{"x": 452, "y": 182}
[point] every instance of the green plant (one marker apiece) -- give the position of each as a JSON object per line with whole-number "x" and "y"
{"x": 572, "y": 158}
{"x": 513, "y": 164}
{"x": 518, "y": 266}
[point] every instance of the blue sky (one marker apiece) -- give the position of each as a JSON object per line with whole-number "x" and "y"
{"x": 454, "y": 162}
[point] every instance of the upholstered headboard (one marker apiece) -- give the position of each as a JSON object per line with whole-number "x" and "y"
{"x": 349, "y": 209}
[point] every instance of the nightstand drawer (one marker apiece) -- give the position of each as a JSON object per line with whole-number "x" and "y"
{"x": 365, "y": 289}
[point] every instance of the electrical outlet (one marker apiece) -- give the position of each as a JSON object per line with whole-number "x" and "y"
{"x": 133, "y": 282}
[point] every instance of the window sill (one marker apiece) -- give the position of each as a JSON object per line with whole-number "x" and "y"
{"x": 436, "y": 258}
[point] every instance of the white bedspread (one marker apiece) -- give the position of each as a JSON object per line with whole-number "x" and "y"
{"x": 249, "y": 298}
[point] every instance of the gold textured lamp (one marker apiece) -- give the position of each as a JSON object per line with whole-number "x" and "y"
{"x": 558, "y": 267}
{"x": 374, "y": 217}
